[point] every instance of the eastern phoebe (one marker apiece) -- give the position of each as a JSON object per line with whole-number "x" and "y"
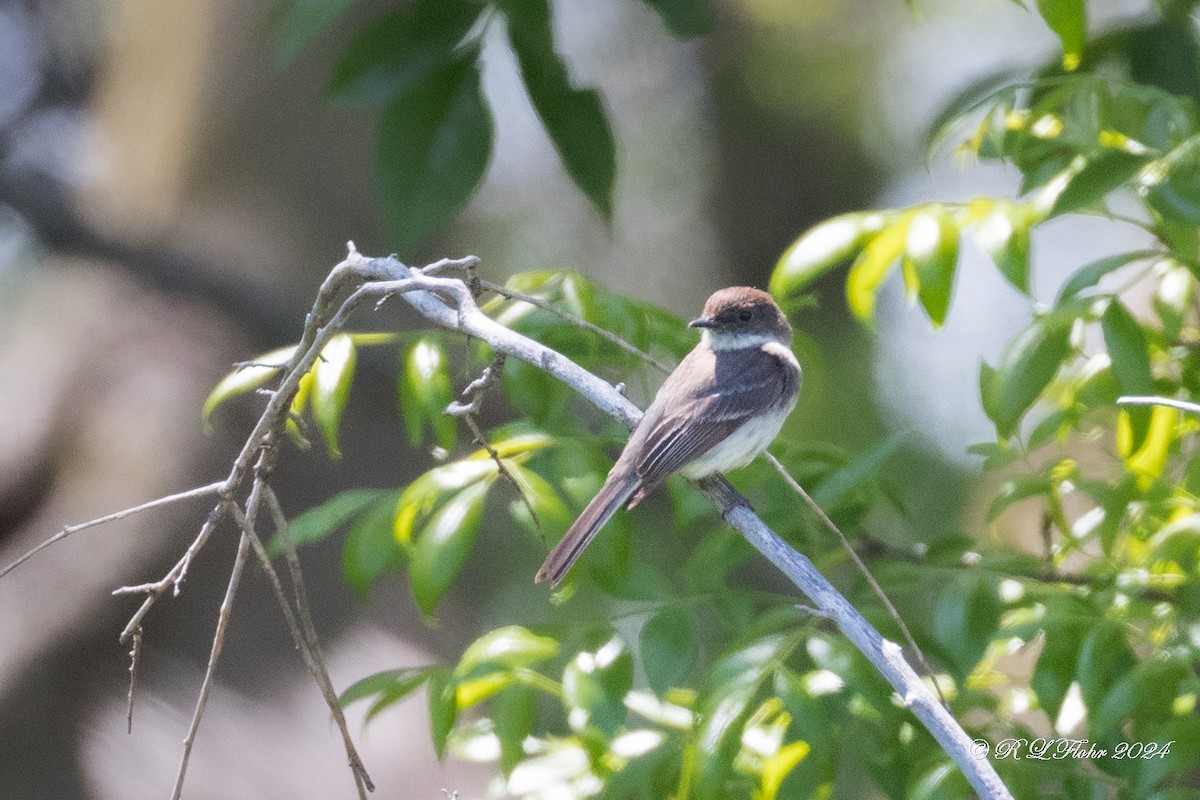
{"x": 720, "y": 408}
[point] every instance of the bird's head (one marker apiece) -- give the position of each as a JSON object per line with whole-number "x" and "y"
{"x": 742, "y": 316}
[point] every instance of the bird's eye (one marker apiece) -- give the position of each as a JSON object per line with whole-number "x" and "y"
{"x": 745, "y": 315}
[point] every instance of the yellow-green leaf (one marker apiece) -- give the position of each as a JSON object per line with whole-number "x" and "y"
{"x": 441, "y": 549}
{"x": 332, "y": 376}
{"x": 1148, "y": 461}
{"x": 931, "y": 254}
{"x": 425, "y": 392}
{"x": 509, "y": 647}
{"x": 244, "y": 380}
{"x": 872, "y": 267}
{"x": 776, "y": 767}
{"x": 820, "y": 249}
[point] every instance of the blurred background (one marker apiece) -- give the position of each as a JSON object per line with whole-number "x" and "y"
{"x": 171, "y": 197}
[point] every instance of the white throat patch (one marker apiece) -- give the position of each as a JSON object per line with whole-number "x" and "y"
{"x": 726, "y": 340}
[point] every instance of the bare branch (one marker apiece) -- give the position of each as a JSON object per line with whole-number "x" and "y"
{"x": 200, "y": 491}
{"x": 303, "y": 632}
{"x": 135, "y": 653}
{"x": 450, "y": 303}
{"x": 218, "y": 643}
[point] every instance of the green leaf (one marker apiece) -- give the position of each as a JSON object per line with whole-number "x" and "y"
{"x": 1022, "y": 487}
{"x": 1068, "y": 20}
{"x": 1004, "y": 234}
{"x": 332, "y": 376}
{"x": 1175, "y": 190}
{"x": 443, "y": 707}
{"x": 508, "y": 648}
{"x": 441, "y": 550}
{"x": 1103, "y": 659}
{"x": 388, "y": 688}
{"x": 594, "y": 688}
{"x": 931, "y": 253}
{"x": 574, "y": 118}
{"x": 398, "y": 52}
{"x": 1101, "y": 175}
{"x": 298, "y": 22}
{"x": 371, "y": 549}
{"x": 1057, "y": 664}
{"x": 836, "y": 489}
{"x": 434, "y": 144}
{"x": 513, "y": 715}
{"x": 871, "y": 268}
{"x": 820, "y": 249}
{"x": 1129, "y": 352}
{"x": 1145, "y": 694}
{"x": 244, "y": 380}
{"x": 733, "y": 683}
{"x": 685, "y": 18}
{"x": 1028, "y": 364}
{"x": 670, "y": 647}
{"x": 425, "y": 391}
{"x": 966, "y": 617}
{"x": 1088, "y": 276}
{"x": 320, "y": 521}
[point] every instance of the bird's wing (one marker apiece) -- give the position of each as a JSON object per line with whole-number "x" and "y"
{"x": 685, "y": 428}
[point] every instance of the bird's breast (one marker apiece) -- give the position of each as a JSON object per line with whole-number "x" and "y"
{"x": 740, "y": 447}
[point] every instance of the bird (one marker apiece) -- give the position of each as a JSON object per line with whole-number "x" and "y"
{"x": 721, "y": 407}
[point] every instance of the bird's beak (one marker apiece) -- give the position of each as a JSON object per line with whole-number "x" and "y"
{"x": 703, "y": 322}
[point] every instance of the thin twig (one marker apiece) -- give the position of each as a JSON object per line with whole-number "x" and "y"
{"x": 500, "y": 467}
{"x": 218, "y": 642}
{"x": 67, "y": 530}
{"x": 135, "y": 653}
{"x": 574, "y": 319}
{"x": 472, "y": 396}
{"x": 299, "y": 623}
{"x": 862, "y": 568}
{"x": 468, "y": 405}
{"x": 279, "y": 520}
{"x": 1182, "y": 405}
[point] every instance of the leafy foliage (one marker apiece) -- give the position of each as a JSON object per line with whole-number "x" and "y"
{"x": 694, "y": 682}
{"x": 421, "y": 65}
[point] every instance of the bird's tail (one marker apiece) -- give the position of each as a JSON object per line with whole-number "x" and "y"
{"x": 615, "y": 492}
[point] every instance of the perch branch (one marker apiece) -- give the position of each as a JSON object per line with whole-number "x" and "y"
{"x": 464, "y": 316}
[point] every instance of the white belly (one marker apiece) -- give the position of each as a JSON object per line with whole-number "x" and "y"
{"x": 740, "y": 448}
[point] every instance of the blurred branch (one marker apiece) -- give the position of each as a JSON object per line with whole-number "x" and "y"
{"x": 58, "y": 225}
{"x": 1181, "y": 405}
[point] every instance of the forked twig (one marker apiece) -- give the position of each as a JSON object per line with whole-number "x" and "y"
{"x": 468, "y": 405}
